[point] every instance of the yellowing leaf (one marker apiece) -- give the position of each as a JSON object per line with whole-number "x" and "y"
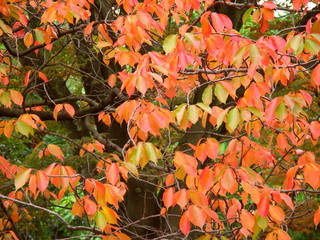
{"x": 221, "y": 93}
{"x": 23, "y": 128}
{"x": 100, "y": 220}
{"x": 21, "y": 178}
{"x": 233, "y": 119}
{"x": 281, "y": 112}
{"x": 207, "y": 96}
{"x": 131, "y": 168}
{"x": 255, "y": 55}
{"x": 193, "y": 113}
{"x": 170, "y": 43}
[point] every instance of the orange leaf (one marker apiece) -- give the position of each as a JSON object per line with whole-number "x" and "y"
{"x": 32, "y": 184}
{"x": 168, "y": 197}
{"x": 42, "y": 180}
{"x": 77, "y": 208}
{"x": 55, "y": 151}
{"x": 70, "y": 110}
{"x": 276, "y": 213}
{"x": 56, "y": 110}
{"x": 16, "y": 97}
{"x": 113, "y": 174}
{"x": 197, "y": 216}
{"x": 228, "y": 180}
{"x": 247, "y": 220}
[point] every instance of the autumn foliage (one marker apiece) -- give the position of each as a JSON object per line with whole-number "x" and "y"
{"x": 177, "y": 123}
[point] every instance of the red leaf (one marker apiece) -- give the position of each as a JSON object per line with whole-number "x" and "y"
{"x": 27, "y": 77}
{"x": 315, "y": 129}
{"x": 43, "y": 77}
{"x": 184, "y": 223}
{"x": 263, "y": 205}
{"x": 269, "y": 4}
{"x": 316, "y": 218}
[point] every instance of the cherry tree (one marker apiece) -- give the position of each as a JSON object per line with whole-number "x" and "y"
{"x": 159, "y": 119}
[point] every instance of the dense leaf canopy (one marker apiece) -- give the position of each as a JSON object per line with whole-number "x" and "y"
{"x": 159, "y": 119}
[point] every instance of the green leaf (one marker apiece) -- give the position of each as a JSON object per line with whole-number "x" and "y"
{"x": 262, "y": 222}
{"x": 170, "y": 43}
{"x": 39, "y": 36}
{"x": 221, "y": 93}
{"x": 207, "y": 96}
{"x": 233, "y": 119}
{"x": 281, "y": 111}
{"x": 21, "y": 178}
